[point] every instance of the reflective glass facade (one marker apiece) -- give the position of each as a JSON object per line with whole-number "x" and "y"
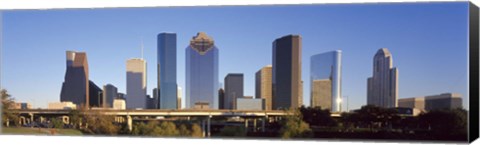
{"x": 325, "y": 80}
{"x": 201, "y": 72}
{"x": 167, "y": 70}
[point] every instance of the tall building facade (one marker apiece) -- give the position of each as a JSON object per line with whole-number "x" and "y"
{"x": 263, "y": 85}
{"x": 233, "y": 89}
{"x": 75, "y": 87}
{"x": 201, "y": 73}
{"x": 382, "y": 87}
{"x": 155, "y": 95}
{"x": 221, "y": 98}
{"x": 325, "y": 80}
{"x": 136, "y": 84}
{"x": 167, "y": 70}
{"x": 286, "y": 72}
{"x": 110, "y": 92}
{"x": 96, "y": 95}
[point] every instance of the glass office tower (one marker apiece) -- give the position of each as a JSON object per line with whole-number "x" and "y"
{"x": 76, "y": 87}
{"x": 201, "y": 73}
{"x": 382, "y": 87}
{"x": 286, "y": 72}
{"x": 167, "y": 70}
{"x": 325, "y": 80}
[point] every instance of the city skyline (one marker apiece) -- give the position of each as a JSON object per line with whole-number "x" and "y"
{"x": 407, "y": 61}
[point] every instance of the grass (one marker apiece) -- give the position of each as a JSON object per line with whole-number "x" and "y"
{"x": 37, "y": 131}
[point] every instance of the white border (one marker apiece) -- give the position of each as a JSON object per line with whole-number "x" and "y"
{"x": 65, "y": 140}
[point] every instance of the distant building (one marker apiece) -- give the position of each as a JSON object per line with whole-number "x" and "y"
{"x": 201, "y": 72}
{"x": 110, "y": 92}
{"x": 96, "y": 95}
{"x": 22, "y": 105}
{"x": 325, "y": 80}
{"x": 156, "y": 96}
{"x": 263, "y": 85}
{"x": 136, "y": 84}
{"x": 249, "y": 103}
{"x": 233, "y": 89}
{"x": 382, "y": 87}
{"x": 202, "y": 106}
{"x": 152, "y": 102}
{"x": 221, "y": 98}
{"x": 408, "y": 111}
{"x": 75, "y": 87}
{"x": 286, "y": 72}
{"x": 62, "y": 106}
{"x": 433, "y": 102}
{"x": 167, "y": 70}
{"x": 179, "y": 98}
{"x": 119, "y": 104}
{"x": 417, "y": 102}
{"x": 121, "y": 96}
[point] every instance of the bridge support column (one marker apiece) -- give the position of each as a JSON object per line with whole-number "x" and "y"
{"x": 246, "y": 125}
{"x": 255, "y": 125}
{"x": 129, "y": 122}
{"x": 203, "y": 128}
{"x": 21, "y": 121}
{"x": 263, "y": 123}
{"x": 208, "y": 125}
{"x": 31, "y": 118}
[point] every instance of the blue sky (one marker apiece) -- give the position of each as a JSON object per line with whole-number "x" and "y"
{"x": 428, "y": 42}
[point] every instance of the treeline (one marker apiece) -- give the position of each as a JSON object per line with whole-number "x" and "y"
{"x": 372, "y": 122}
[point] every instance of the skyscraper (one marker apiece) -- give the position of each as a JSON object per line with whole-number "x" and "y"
{"x": 167, "y": 70}
{"x": 201, "y": 73}
{"x": 136, "y": 83}
{"x": 325, "y": 80}
{"x": 75, "y": 87}
{"x": 233, "y": 89}
{"x": 179, "y": 98}
{"x": 155, "y": 95}
{"x": 110, "y": 92}
{"x": 382, "y": 87}
{"x": 286, "y": 72}
{"x": 96, "y": 96}
{"x": 221, "y": 98}
{"x": 263, "y": 85}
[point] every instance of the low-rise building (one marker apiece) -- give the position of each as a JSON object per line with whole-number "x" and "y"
{"x": 433, "y": 102}
{"x": 119, "y": 104}
{"x": 249, "y": 103}
{"x": 62, "y": 106}
{"x": 22, "y": 105}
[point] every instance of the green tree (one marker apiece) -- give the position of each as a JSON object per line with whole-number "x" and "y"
{"x": 8, "y": 115}
{"x": 444, "y": 123}
{"x": 294, "y": 127}
{"x": 75, "y": 118}
{"x": 376, "y": 117}
{"x": 98, "y": 123}
{"x": 166, "y": 129}
{"x": 56, "y": 123}
{"x": 238, "y": 131}
{"x": 316, "y": 116}
{"x": 196, "y": 130}
{"x": 184, "y": 131}
{"x": 154, "y": 128}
